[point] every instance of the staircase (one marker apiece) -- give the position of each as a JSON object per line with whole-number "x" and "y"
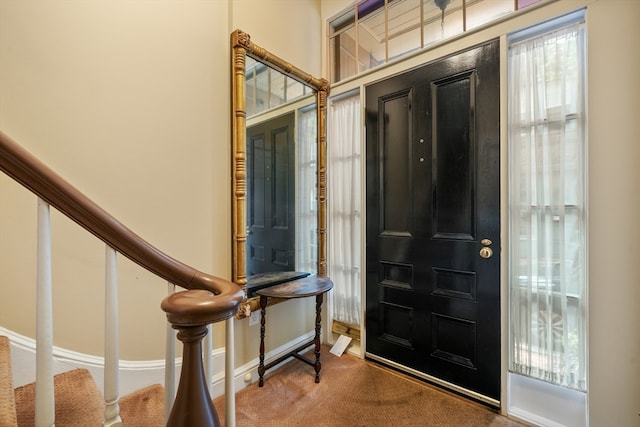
{"x": 204, "y": 299}
{"x": 78, "y": 402}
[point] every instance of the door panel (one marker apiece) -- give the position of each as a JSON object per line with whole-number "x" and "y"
{"x": 271, "y": 204}
{"x": 433, "y": 304}
{"x": 452, "y": 157}
{"x": 396, "y": 178}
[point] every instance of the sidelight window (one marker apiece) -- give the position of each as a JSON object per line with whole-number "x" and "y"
{"x": 344, "y": 186}
{"x": 547, "y": 204}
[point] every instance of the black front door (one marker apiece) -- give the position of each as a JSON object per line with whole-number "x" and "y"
{"x": 271, "y": 196}
{"x": 433, "y": 219}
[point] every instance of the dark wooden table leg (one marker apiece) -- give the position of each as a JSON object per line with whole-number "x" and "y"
{"x": 263, "y": 311}
{"x": 316, "y": 340}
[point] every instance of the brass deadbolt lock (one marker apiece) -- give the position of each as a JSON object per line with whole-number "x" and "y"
{"x": 486, "y": 252}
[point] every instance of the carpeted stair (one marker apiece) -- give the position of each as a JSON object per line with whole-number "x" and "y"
{"x": 7, "y": 400}
{"x": 78, "y": 402}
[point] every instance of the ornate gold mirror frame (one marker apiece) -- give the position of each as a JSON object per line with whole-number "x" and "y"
{"x": 241, "y": 46}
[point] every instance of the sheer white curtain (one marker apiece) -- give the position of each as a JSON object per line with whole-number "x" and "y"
{"x": 344, "y": 216}
{"x": 547, "y": 218}
{"x": 306, "y": 192}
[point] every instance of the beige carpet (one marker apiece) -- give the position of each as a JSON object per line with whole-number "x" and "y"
{"x": 143, "y": 408}
{"x": 78, "y": 401}
{"x": 353, "y": 392}
{"x": 8, "y": 415}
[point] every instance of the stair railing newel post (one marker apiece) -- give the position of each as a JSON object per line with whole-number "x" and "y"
{"x": 193, "y": 405}
{"x": 190, "y": 312}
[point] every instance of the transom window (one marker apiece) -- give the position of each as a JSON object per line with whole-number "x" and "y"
{"x": 374, "y": 32}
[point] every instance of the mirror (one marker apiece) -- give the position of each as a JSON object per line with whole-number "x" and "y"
{"x": 247, "y": 61}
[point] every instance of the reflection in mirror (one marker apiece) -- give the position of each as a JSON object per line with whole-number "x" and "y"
{"x": 279, "y": 168}
{"x": 281, "y": 193}
{"x": 267, "y": 88}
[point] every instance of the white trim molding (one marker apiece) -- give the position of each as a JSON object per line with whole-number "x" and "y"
{"x": 134, "y": 375}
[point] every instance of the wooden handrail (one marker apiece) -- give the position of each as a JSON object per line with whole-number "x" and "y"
{"x": 193, "y": 308}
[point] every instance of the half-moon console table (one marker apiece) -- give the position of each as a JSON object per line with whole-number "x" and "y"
{"x": 306, "y": 287}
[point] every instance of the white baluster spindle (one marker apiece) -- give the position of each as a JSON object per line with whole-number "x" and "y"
{"x": 170, "y": 365}
{"x": 229, "y": 368}
{"x": 45, "y": 403}
{"x": 112, "y": 348}
{"x": 207, "y": 344}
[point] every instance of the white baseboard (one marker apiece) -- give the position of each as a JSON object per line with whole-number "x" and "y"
{"x": 134, "y": 375}
{"x": 544, "y": 404}
{"x": 530, "y": 418}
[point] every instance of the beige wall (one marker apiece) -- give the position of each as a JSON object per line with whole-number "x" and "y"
{"x": 614, "y": 206}
{"x": 614, "y": 191}
{"x": 129, "y": 101}
{"x": 291, "y": 29}
{"x": 126, "y": 100}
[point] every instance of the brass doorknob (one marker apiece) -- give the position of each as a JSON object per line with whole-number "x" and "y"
{"x": 486, "y": 252}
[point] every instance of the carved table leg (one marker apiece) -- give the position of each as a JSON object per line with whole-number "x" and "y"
{"x": 263, "y": 311}
{"x": 316, "y": 340}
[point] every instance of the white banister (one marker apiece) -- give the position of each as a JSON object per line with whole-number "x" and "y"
{"x": 229, "y": 373}
{"x": 207, "y": 351}
{"x": 45, "y": 403}
{"x": 111, "y": 345}
{"x": 170, "y": 365}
